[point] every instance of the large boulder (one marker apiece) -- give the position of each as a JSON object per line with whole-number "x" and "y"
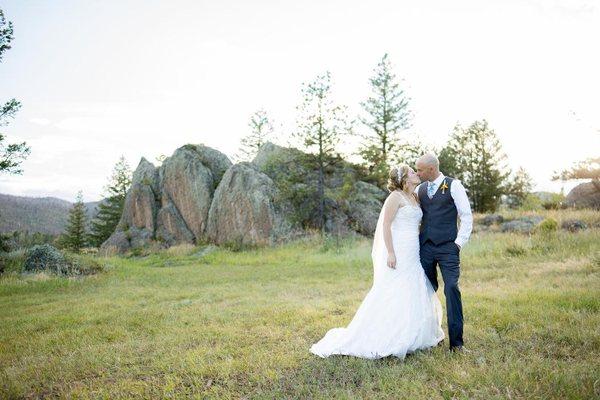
{"x": 584, "y": 195}
{"x": 169, "y": 204}
{"x": 117, "y": 243}
{"x": 492, "y": 219}
{"x": 245, "y": 209}
{"x": 270, "y": 151}
{"x": 187, "y": 180}
{"x": 171, "y": 228}
{"x": 141, "y": 200}
{"x": 337, "y": 220}
{"x": 522, "y": 225}
{"x": 343, "y": 214}
{"x": 282, "y": 163}
{"x": 214, "y": 160}
{"x": 363, "y": 207}
{"x": 573, "y": 225}
{"x": 138, "y": 219}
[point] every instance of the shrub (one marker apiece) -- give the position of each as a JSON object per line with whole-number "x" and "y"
{"x": 48, "y": 258}
{"x": 44, "y": 257}
{"x": 82, "y": 264}
{"x": 547, "y": 226}
{"x": 531, "y": 203}
{"x": 4, "y": 242}
{"x": 137, "y": 251}
{"x": 555, "y": 202}
{"x": 12, "y": 261}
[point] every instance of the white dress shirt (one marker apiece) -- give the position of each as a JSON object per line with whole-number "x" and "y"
{"x": 461, "y": 201}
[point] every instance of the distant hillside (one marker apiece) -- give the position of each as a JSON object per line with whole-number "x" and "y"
{"x": 37, "y": 214}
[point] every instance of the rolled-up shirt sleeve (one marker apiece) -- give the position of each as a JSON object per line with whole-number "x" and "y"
{"x": 459, "y": 194}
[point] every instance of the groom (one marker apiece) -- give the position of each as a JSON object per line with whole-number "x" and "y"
{"x": 443, "y": 199}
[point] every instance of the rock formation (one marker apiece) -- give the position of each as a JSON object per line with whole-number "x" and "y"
{"x": 356, "y": 212}
{"x": 584, "y": 195}
{"x": 169, "y": 204}
{"x": 522, "y": 225}
{"x": 198, "y": 195}
{"x": 245, "y": 209}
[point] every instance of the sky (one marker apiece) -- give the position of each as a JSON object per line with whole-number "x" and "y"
{"x": 101, "y": 79}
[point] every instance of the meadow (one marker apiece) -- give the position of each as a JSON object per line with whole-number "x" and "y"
{"x": 206, "y": 322}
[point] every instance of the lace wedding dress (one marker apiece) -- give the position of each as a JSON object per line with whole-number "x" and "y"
{"x": 401, "y": 312}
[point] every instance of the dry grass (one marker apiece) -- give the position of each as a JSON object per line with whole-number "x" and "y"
{"x": 181, "y": 324}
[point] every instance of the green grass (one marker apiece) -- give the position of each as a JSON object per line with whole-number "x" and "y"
{"x": 588, "y": 216}
{"x": 239, "y": 324}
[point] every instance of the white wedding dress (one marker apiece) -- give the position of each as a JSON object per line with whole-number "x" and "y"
{"x": 401, "y": 312}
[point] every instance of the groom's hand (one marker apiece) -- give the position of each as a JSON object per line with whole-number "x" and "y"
{"x": 391, "y": 261}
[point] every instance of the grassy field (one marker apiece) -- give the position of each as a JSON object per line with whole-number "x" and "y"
{"x": 223, "y": 324}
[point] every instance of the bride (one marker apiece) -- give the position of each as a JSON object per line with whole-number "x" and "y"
{"x": 401, "y": 312}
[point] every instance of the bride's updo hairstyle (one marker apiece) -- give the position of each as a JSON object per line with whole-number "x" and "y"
{"x": 397, "y": 177}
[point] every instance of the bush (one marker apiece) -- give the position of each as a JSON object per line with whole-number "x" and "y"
{"x": 4, "y": 243}
{"x": 82, "y": 264}
{"x": 547, "y": 226}
{"x": 44, "y": 257}
{"x": 531, "y": 203}
{"x": 12, "y": 261}
{"x": 555, "y": 202}
{"x": 48, "y": 258}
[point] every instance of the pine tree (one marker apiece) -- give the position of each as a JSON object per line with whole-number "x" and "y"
{"x": 111, "y": 208}
{"x": 387, "y": 115}
{"x": 408, "y": 151}
{"x": 11, "y": 155}
{"x": 518, "y": 188}
{"x": 75, "y": 237}
{"x": 321, "y": 124}
{"x": 261, "y": 130}
{"x": 474, "y": 155}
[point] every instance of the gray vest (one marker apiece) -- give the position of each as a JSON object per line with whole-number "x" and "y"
{"x": 440, "y": 218}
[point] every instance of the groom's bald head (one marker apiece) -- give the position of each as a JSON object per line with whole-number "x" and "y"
{"x": 428, "y": 167}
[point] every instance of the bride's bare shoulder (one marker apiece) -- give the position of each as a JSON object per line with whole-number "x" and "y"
{"x": 394, "y": 194}
{"x": 396, "y": 198}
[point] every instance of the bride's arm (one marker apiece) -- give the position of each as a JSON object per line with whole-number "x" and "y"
{"x": 390, "y": 207}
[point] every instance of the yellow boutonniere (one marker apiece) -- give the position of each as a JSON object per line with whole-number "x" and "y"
{"x": 444, "y": 187}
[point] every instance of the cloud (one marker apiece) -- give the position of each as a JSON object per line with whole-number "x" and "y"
{"x": 40, "y": 121}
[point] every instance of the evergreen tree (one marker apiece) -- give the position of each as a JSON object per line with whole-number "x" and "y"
{"x": 474, "y": 155}
{"x": 387, "y": 115}
{"x": 11, "y": 155}
{"x": 261, "y": 130}
{"x": 408, "y": 151}
{"x": 75, "y": 237}
{"x": 321, "y": 124}
{"x": 518, "y": 188}
{"x": 111, "y": 208}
